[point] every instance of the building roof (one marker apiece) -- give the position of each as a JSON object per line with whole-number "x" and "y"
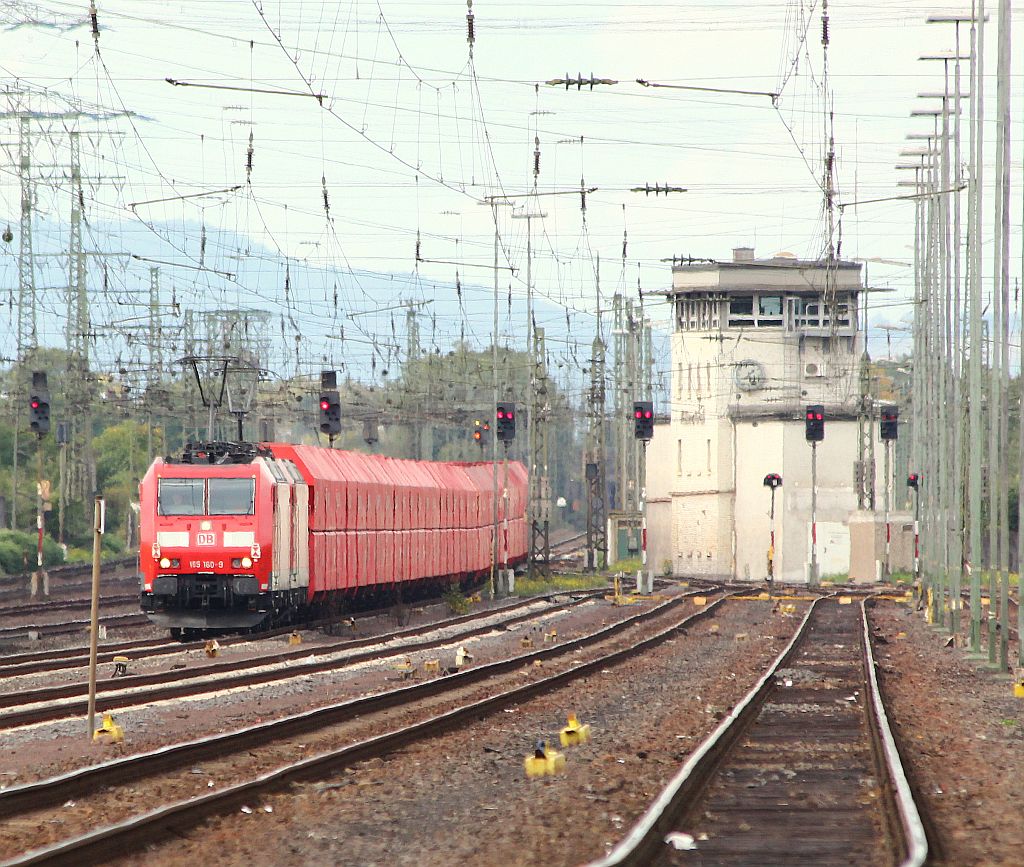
{"x": 783, "y": 272}
{"x": 775, "y": 262}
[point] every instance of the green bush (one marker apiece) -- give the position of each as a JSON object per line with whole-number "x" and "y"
{"x": 112, "y": 545}
{"x": 78, "y": 555}
{"x": 10, "y": 557}
{"x": 18, "y": 549}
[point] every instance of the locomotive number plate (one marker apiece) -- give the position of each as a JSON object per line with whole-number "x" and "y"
{"x": 205, "y": 539}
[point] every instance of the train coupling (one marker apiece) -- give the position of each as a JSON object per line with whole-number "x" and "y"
{"x": 109, "y": 731}
{"x": 575, "y": 733}
{"x": 544, "y": 762}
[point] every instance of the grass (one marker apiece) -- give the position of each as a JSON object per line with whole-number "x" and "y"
{"x": 835, "y": 578}
{"x": 558, "y": 584}
{"x": 456, "y": 601}
{"x": 632, "y": 564}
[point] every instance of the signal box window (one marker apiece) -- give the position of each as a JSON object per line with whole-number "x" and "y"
{"x": 180, "y": 496}
{"x": 231, "y": 496}
{"x": 741, "y": 310}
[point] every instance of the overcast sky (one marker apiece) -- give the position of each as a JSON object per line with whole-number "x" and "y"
{"x": 410, "y": 136}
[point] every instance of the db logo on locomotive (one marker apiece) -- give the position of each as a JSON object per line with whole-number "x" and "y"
{"x": 205, "y": 539}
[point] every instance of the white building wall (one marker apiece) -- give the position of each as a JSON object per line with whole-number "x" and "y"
{"x": 725, "y": 435}
{"x": 837, "y": 498}
{"x": 759, "y": 449}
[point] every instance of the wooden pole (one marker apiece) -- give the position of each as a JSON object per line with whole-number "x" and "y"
{"x": 94, "y": 615}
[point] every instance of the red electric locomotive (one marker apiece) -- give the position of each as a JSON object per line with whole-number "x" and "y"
{"x": 245, "y": 535}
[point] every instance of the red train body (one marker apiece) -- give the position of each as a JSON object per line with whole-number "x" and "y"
{"x": 238, "y": 535}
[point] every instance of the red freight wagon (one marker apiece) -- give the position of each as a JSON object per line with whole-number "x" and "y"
{"x": 244, "y": 535}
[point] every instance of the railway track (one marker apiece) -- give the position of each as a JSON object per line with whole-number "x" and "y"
{"x": 61, "y": 605}
{"x": 58, "y": 702}
{"x": 804, "y": 770}
{"x": 27, "y": 630}
{"x": 73, "y": 576}
{"x": 360, "y": 728}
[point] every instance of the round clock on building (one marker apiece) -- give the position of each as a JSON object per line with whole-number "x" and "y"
{"x": 749, "y": 375}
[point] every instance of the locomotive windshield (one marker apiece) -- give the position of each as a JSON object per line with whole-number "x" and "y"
{"x": 180, "y": 496}
{"x": 206, "y": 496}
{"x": 231, "y": 496}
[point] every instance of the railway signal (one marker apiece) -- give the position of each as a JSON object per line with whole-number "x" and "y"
{"x": 773, "y": 481}
{"x": 643, "y": 420}
{"x": 481, "y": 432}
{"x": 888, "y": 427}
{"x": 814, "y": 431}
{"x": 888, "y": 431}
{"x": 39, "y": 404}
{"x": 814, "y": 423}
{"x": 914, "y": 482}
{"x": 330, "y": 413}
{"x": 506, "y": 418}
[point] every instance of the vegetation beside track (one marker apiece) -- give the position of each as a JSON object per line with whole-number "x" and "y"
{"x": 563, "y": 583}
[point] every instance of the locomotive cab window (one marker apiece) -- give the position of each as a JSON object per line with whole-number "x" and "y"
{"x": 231, "y": 496}
{"x": 180, "y": 496}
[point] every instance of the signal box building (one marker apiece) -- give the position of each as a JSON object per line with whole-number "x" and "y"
{"x": 754, "y": 342}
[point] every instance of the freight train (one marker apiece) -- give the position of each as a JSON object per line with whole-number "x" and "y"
{"x": 243, "y": 536}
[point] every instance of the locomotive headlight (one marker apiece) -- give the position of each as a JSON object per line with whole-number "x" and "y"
{"x": 165, "y": 563}
{"x": 246, "y": 563}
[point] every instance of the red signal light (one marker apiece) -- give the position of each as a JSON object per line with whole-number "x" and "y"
{"x": 509, "y": 415}
{"x": 35, "y": 404}
{"x": 648, "y": 414}
{"x": 639, "y": 414}
{"x": 325, "y": 405}
{"x": 501, "y": 413}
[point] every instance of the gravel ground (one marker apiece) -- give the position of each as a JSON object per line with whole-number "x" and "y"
{"x": 45, "y": 749}
{"x": 962, "y": 737}
{"x": 465, "y": 797}
{"x": 32, "y": 830}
